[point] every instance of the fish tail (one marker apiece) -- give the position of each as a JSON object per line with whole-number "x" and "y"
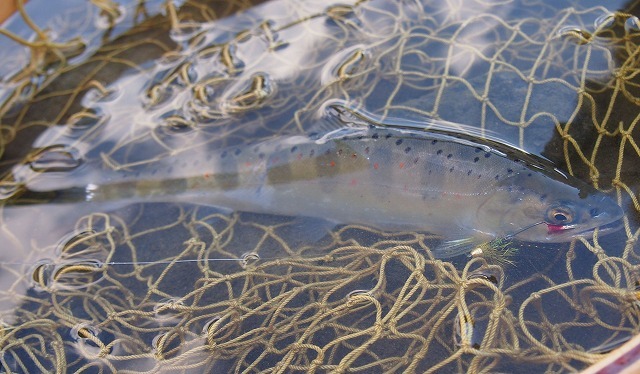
{"x": 26, "y": 196}
{"x": 140, "y": 189}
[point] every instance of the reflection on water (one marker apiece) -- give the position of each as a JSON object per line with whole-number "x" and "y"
{"x": 99, "y": 90}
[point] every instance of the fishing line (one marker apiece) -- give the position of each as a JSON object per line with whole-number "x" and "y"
{"x": 123, "y": 263}
{"x": 510, "y": 236}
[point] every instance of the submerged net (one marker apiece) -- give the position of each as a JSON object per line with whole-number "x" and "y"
{"x": 172, "y": 286}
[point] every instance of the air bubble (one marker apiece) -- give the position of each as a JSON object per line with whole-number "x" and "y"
{"x": 632, "y": 25}
{"x": 55, "y": 158}
{"x": 491, "y": 275}
{"x": 230, "y": 60}
{"x": 249, "y": 259}
{"x": 465, "y": 333}
{"x": 166, "y": 345}
{"x": 9, "y": 189}
{"x": 185, "y": 32}
{"x": 77, "y": 274}
{"x": 605, "y": 21}
{"x": 83, "y": 244}
{"x": 251, "y": 96}
{"x": 219, "y": 327}
{"x": 157, "y": 343}
{"x": 359, "y": 295}
{"x": 575, "y": 34}
{"x": 41, "y": 274}
{"x": 86, "y": 337}
{"x": 341, "y": 14}
{"x": 83, "y": 331}
{"x": 85, "y": 120}
{"x": 208, "y": 327}
{"x": 168, "y": 309}
{"x": 177, "y": 123}
{"x": 158, "y": 94}
{"x": 204, "y": 93}
{"x": 345, "y": 65}
{"x": 340, "y": 11}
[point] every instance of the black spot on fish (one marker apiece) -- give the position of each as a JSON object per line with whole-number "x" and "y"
{"x": 469, "y": 172}
{"x": 449, "y": 155}
{"x": 434, "y": 141}
{"x": 476, "y": 159}
{"x": 238, "y": 151}
{"x": 367, "y": 150}
{"x": 543, "y": 196}
{"x": 375, "y": 136}
{"x": 529, "y": 175}
{"x": 388, "y": 136}
{"x": 327, "y": 152}
{"x": 360, "y": 137}
{"x": 294, "y": 149}
{"x": 339, "y": 151}
{"x": 407, "y": 150}
{"x": 439, "y": 152}
{"x": 261, "y": 156}
{"x": 223, "y": 154}
{"x": 399, "y": 141}
{"x": 429, "y": 172}
{"x": 509, "y": 171}
{"x": 497, "y": 176}
{"x": 479, "y": 176}
{"x": 415, "y": 160}
{"x": 451, "y": 170}
{"x": 312, "y": 152}
{"x": 486, "y": 155}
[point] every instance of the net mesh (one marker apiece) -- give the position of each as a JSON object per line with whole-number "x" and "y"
{"x": 177, "y": 287}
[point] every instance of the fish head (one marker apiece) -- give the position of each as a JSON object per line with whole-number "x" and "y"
{"x": 554, "y": 212}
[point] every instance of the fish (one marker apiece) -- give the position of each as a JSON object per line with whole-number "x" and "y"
{"x": 464, "y": 191}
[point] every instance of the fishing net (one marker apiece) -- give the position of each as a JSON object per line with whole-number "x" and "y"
{"x": 179, "y": 287}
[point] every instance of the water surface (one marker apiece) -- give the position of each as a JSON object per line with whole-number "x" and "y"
{"x": 171, "y": 285}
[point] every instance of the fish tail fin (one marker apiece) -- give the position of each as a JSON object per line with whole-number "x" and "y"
{"x": 124, "y": 190}
{"x": 26, "y": 196}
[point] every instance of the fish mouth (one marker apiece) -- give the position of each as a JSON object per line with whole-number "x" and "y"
{"x": 559, "y": 232}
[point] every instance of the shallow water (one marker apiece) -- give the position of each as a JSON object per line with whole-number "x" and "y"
{"x": 181, "y": 286}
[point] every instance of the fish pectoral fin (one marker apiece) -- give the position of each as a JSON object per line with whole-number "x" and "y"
{"x": 455, "y": 247}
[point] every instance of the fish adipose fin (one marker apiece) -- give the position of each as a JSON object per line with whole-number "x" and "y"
{"x": 343, "y": 114}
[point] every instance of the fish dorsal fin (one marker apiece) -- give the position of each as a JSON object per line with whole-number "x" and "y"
{"x": 344, "y": 114}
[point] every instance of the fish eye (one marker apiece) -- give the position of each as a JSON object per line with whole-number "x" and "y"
{"x": 559, "y": 215}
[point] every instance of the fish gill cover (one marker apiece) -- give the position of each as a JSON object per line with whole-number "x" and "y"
{"x": 101, "y": 92}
